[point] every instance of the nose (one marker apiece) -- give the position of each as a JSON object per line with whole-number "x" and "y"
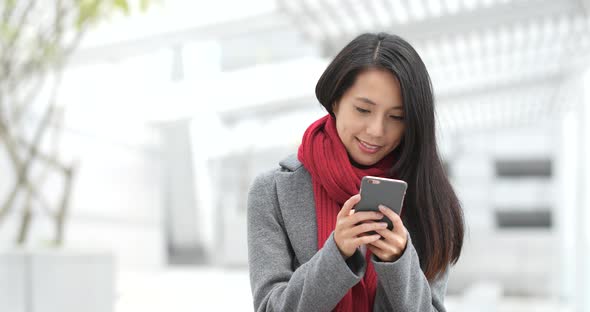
{"x": 376, "y": 127}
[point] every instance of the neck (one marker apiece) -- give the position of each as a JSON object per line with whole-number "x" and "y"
{"x": 354, "y": 163}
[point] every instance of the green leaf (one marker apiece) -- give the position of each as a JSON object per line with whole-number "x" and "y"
{"x": 88, "y": 12}
{"x": 123, "y": 5}
{"x": 7, "y": 32}
{"x": 10, "y": 3}
{"x": 51, "y": 51}
{"x": 143, "y": 5}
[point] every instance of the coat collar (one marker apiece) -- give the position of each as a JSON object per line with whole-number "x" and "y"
{"x": 297, "y": 207}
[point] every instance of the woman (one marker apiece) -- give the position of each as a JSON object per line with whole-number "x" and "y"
{"x": 308, "y": 249}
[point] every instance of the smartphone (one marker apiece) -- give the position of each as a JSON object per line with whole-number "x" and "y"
{"x": 375, "y": 191}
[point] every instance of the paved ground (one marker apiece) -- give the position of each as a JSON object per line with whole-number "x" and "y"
{"x": 216, "y": 289}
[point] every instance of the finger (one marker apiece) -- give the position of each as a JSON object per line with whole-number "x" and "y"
{"x": 383, "y": 251}
{"x": 362, "y": 216}
{"x": 392, "y": 238}
{"x": 367, "y": 227}
{"x": 364, "y": 240}
{"x": 398, "y": 225}
{"x": 376, "y": 251}
{"x": 387, "y": 234}
{"x": 381, "y": 245}
{"x": 348, "y": 205}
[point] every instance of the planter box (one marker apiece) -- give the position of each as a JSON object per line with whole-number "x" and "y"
{"x": 56, "y": 281}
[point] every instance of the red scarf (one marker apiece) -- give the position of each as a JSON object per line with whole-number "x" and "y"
{"x": 335, "y": 180}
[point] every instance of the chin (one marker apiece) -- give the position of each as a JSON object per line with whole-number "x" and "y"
{"x": 366, "y": 162}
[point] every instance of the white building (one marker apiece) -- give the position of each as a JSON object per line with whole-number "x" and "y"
{"x": 184, "y": 106}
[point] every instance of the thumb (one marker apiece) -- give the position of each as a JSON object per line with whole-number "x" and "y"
{"x": 348, "y": 205}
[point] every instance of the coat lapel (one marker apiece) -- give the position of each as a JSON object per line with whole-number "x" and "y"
{"x": 297, "y": 204}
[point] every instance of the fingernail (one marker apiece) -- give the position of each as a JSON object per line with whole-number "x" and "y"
{"x": 382, "y": 224}
{"x": 381, "y": 207}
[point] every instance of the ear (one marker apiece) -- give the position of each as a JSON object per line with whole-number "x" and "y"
{"x": 335, "y": 108}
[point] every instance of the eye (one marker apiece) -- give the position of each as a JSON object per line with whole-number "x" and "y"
{"x": 397, "y": 117}
{"x": 362, "y": 110}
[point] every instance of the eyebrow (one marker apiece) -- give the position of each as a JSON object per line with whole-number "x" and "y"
{"x": 368, "y": 101}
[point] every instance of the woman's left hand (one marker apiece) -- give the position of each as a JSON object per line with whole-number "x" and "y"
{"x": 394, "y": 241}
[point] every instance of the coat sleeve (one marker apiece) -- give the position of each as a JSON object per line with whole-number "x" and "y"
{"x": 317, "y": 285}
{"x": 402, "y": 286}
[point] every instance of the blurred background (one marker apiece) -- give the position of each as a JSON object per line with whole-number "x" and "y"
{"x": 130, "y": 133}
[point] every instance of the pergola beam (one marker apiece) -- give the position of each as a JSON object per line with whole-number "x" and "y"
{"x": 467, "y": 21}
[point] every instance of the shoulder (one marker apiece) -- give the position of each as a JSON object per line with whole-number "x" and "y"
{"x": 290, "y": 169}
{"x": 290, "y": 163}
{"x": 277, "y": 187}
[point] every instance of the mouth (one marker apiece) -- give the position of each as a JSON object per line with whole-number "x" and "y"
{"x": 368, "y": 147}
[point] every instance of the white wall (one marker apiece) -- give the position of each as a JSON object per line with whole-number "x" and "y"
{"x": 116, "y": 201}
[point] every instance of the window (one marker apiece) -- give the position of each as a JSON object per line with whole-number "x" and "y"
{"x": 523, "y": 168}
{"x": 535, "y": 217}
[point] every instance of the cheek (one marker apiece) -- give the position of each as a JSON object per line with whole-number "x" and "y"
{"x": 343, "y": 132}
{"x": 346, "y": 130}
{"x": 397, "y": 136}
{"x": 356, "y": 127}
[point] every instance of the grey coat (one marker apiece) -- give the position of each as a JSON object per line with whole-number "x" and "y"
{"x": 288, "y": 273}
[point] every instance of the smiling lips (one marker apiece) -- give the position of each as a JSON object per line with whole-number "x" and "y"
{"x": 368, "y": 148}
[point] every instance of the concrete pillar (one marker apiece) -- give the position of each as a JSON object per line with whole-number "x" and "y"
{"x": 182, "y": 229}
{"x": 583, "y": 213}
{"x": 567, "y": 201}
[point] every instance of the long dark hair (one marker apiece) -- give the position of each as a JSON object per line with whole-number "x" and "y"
{"x": 432, "y": 212}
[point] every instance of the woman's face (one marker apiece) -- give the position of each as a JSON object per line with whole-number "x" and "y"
{"x": 370, "y": 116}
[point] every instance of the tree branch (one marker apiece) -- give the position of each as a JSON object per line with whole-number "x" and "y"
{"x": 61, "y": 214}
{"x": 25, "y": 221}
{"x": 9, "y": 47}
{"x": 23, "y": 170}
{"x": 41, "y": 200}
{"x": 31, "y": 48}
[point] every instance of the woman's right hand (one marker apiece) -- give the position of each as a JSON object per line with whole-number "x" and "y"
{"x": 351, "y": 225}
